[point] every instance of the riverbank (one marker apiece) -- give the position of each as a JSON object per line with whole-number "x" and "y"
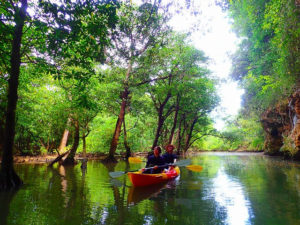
{"x": 49, "y": 158}
{"x": 40, "y": 159}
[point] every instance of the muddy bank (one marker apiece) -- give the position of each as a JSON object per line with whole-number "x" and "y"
{"x": 50, "y": 158}
{"x": 100, "y": 156}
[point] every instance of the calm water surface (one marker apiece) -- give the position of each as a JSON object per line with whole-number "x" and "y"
{"x": 231, "y": 189}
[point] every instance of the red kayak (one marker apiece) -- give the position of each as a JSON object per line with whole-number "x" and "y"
{"x": 139, "y": 179}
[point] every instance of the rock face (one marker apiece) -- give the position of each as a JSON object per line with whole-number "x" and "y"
{"x": 295, "y": 112}
{"x": 282, "y": 128}
{"x": 275, "y": 123}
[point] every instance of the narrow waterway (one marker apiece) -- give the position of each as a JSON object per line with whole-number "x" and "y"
{"x": 232, "y": 188}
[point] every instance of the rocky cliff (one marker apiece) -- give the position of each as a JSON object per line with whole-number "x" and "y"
{"x": 282, "y": 127}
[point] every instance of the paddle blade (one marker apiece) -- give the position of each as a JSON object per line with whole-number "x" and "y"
{"x": 116, "y": 174}
{"x": 195, "y": 168}
{"x": 134, "y": 160}
{"x": 184, "y": 162}
{"x": 116, "y": 182}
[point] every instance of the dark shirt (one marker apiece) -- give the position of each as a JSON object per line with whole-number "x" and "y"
{"x": 169, "y": 158}
{"x": 155, "y": 161}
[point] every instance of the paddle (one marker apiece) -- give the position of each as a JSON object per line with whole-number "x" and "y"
{"x": 195, "y": 168}
{"x": 179, "y": 163}
{"x": 134, "y": 160}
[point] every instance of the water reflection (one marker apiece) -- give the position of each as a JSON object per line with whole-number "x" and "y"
{"x": 231, "y": 189}
{"x": 138, "y": 194}
{"x": 229, "y": 195}
{"x": 5, "y": 200}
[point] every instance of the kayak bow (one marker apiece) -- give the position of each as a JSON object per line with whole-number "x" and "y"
{"x": 139, "y": 179}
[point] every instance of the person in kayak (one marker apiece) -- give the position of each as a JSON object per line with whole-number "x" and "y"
{"x": 156, "y": 161}
{"x": 169, "y": 157}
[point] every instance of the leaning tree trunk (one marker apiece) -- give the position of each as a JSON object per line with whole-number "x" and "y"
{"x": 115, "y": 139}
{"x": 8, "y": 177}
{"x": 70, "y": 158}
{"x": 64, "y": 140}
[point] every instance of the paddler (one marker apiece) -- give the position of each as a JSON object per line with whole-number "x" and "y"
{"x": 169, "y": 157}
{"x": 156, "y": 161}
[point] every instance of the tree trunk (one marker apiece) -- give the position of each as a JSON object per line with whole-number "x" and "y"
{"x": 84, "y": 161}
{"x": 83, "y": 166}
{"x": 174, "y": 121}
{"x": 179, "y": 135}
{"x": 160, "y": 123}
{"x": 70, "y": 158}
{"x": 127, "y": 147}
{"x": 83, "y": 147}
{"x": 115, "y": 139}
{"x": 48, "y": 144}
{"x": 64, "y": 140}
{"x": 58, "y": 158}
{"x": 8, "y": 177}
{"x": 1, "y": 133}
{"x": 189, "y": 135}
{"x": 161, "y": 119}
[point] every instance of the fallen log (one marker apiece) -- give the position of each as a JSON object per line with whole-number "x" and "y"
{"x": 58, "y": 158}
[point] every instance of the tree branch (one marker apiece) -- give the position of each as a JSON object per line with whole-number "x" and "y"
{"x": 162, "y": 105}
{"x": 29, "y": 60}
{"x": 156, "y": 105}
{"x": 170, "y": 110}
{"x": 151, "y": 80}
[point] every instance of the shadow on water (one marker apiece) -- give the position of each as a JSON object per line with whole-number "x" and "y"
{"x": 138, "y": 194}
{"x": 6, "y": 198}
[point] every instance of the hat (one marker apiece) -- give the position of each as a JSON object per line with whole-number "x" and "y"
{"x": 169, "y": 145}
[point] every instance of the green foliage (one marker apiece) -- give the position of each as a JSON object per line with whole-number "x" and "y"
{"x": 241, "y": 133}
{"x": 78, "y": 33}
{"x": 102, "y": 130}
{"x": 288, "y": 146}
{"x": 267, "y": 63}
{"x": 139, "y": 133}
{"x": 41, "y": 114}
{"x": 179, "y": 79}
{"x": 62, "y": 83}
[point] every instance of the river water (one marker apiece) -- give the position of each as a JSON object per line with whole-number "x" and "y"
{"x": 232, "y": 188}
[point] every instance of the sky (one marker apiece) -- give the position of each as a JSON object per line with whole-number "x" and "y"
{"x": 215, "y": 37}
